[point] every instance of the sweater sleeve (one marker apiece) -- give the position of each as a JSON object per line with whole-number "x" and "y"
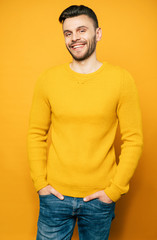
{"x": 129, "y": 116}
{"x": 39, "y": 124}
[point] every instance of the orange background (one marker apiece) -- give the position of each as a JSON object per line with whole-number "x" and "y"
{"x": 32, "y": 41}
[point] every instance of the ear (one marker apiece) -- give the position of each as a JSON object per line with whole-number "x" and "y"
{"x": 98, "y": 34}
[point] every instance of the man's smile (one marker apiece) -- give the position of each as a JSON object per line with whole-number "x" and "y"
{"x": 77, "y": 46}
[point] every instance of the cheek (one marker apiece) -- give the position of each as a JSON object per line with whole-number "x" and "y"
{"x": 67, "y": 42}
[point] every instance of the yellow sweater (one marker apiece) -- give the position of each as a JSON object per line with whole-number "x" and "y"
{"x": 84, "y": 111}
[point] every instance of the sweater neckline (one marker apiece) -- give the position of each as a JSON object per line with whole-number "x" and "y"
{"x": 84, "y": 76}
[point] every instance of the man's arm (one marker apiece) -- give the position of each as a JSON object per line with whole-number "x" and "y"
{"x": 129, "y": 116}
{"x": 39, "y": 124}
{"x": 130, "y": 122}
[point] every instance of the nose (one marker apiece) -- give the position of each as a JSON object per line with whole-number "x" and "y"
{"x": 75, "y": 37}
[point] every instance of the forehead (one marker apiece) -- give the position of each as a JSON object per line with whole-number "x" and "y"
{"x": 75, "y": 22}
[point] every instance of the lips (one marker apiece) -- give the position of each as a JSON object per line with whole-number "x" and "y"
{"x": 77, "y": 45}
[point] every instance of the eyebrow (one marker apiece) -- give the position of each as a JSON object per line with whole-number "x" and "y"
{"x": 77, "y": 28}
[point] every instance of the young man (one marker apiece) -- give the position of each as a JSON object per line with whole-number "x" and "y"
{"x": 83, "y": 101}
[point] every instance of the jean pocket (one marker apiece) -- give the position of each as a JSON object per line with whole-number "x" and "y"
{"x": 105, "y": 203}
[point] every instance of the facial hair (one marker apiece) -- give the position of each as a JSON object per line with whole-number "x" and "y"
{"x": 88, "y": 53}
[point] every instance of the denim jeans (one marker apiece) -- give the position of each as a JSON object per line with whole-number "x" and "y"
{"x": 57, "y": 218}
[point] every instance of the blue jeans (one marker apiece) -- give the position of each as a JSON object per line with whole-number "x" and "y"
{"x": 57, "y": 218}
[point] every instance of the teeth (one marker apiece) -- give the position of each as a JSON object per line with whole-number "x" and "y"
{"x": 77, "y": 46}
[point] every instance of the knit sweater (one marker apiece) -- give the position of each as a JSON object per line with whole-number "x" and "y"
{"x": 84, "y": 111}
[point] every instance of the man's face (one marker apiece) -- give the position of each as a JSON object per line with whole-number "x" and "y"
{"x": 80, "y": 36}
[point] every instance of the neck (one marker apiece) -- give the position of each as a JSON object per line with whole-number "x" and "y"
{"x": 86, "y": 66}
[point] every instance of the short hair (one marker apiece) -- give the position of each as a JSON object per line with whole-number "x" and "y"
{"x": 76, "y": 10}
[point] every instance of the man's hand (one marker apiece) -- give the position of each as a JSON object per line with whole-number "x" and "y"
{"x": 101, "y": 195}
{"x": 50, "y": 190}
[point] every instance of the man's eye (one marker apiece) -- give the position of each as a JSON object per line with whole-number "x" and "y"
{"x": 82, "y": 30}
{"x": 68, "y": 34}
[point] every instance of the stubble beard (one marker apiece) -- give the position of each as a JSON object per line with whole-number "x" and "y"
{"x": 88, "y": 53}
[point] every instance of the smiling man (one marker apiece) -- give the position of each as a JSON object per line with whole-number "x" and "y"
{"x": 80, "y": 37}
{"x": 83, "y": 101}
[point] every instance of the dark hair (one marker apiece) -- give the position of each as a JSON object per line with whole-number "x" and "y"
{"x": 76, "y": 10}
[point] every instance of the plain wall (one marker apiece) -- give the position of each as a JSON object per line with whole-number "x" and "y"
{"x": 32, "y": 41}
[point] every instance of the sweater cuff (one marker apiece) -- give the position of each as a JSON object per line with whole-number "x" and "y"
{"x": 40, "y": 184}
{"x": 114, "y": 192}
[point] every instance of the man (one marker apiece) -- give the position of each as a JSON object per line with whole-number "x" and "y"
{"x": 83, "y": 101}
